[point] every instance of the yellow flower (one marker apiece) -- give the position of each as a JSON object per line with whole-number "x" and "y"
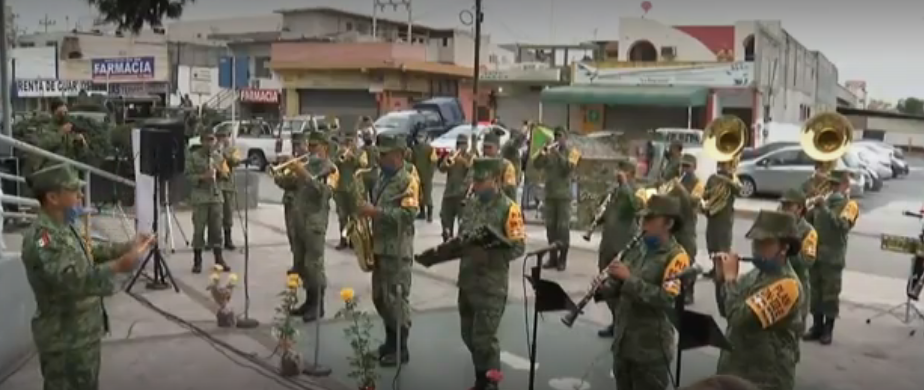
{"x": 292, "y": 284}
{"x": 218, "y": 268}
{"x": 293, "y": 278}
{"x": 232, "y": 279}
{"x": 215, "y": 277}
{"x": 347, "y": 294}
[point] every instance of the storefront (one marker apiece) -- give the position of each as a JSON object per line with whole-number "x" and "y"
{"x": 517, "y": 90}
{"x": 260, "y": 103}
{"x": 130, "y": 76}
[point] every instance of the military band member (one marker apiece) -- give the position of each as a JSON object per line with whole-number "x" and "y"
{"x": 557, "y": 164}
{"x": 372, "y": 154}
{"x": 424, "y": 158}
{"x": 643, "y": 344}
{"x": 763, "y": 306}
{"x": 483, "y": 273}
{"x": 833, "y": 217}
{"x": 393, "y": 208}
{"x": 620, "y": 224}
{"x": 511, "y": 152}
{"x": 457, "y": 169}
{"x": 350, "y": 158}
{"x": 318, "y": 179}
{"x": 231, "y": 157}
{"x": 206, "y": 198}
{"x": 293, "y": 210}
{"x": 816, "y": 182}
{"x": 490, "y": 147}
{"x": 720, "y": 218}
{"x": 690, "y": 197}
{"x": 793, "y": 202}
{"x": 672, "y": 160}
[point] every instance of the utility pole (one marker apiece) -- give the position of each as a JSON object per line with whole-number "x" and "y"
{"x": 479, "y": 18}
{"x": 5, "y": 103}
{"x": 380, "y": 5}
{"x": 47, "y": 22}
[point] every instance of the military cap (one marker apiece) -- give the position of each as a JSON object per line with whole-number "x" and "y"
{"x": 486, "y": 168}
{"x": 663, "y": 206}
{"x": 839, "y": 176}
{"x": 688, "y": 159}
{"x": 560, "y": 131}
{"x": 54, "y": 178}
{"x": 462, "y": 139}
{"x": 389, "y": 143}
{"x": 223, "y": 131}
{"x": 297, "y": 137}
{"x": 491, "y": 138}
{"x": 776, "y": 224}
{"x": 793, "y": 195}
{"x": 318, "y": 137}
{"x": 676, "y": 144}
{"x": 206, "y": 131}
{"x": 348, "y": 133}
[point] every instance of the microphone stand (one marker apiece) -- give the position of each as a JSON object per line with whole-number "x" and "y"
{"x": 680, "y": 308}
{"x": 536, "y": 275}
{"x": 246, "y": 322}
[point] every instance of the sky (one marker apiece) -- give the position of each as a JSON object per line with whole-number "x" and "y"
{"x": 876, "y": 41}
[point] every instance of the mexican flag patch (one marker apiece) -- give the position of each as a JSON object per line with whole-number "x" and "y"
{"x": 43, "y": 240}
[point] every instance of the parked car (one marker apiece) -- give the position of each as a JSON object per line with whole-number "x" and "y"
{"x": 406, "y": 121}
{"x": 446, "y": 143}
{"x": 881, "y": 164}
{"x": 752, "y": 153}
{"x": 895, "y": 156}
{"x": 254, "y": 138}
{"x": 873, "y": 180}
{"x": 785, "y": 168}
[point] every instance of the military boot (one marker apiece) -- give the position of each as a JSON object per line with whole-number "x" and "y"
{"x": 481, "y": 380}
{"x": 607, "y": 332}
{"x": 391, "y": 359}
{"x": 391, "y": 341}
{"x": 304, "y": 307}
{"x": 197, "y": 261}
{"x": 552, "y": 262}
{"x": 562, "y": 263}
{"x": 317, "y": 309}
{"x": 429, "y": 214}
{"x": 422, "y": 214}
{"x": 220, "y": 260}
{"x": 344, "y": 244}
{"x": 818, "y": 324}
{"x": 827, "y": 332}
{"x": 229, "y": 245}
{"x": 447, "y": 234}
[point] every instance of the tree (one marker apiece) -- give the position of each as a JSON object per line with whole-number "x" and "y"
{"x": 879, "y": 105}
{"x": 911, "y": 106}
{"x": 132, "y": 15}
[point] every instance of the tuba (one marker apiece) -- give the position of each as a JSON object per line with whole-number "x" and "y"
{"x": 723, "y": 140}
{"x": 825, "y": 138}
{"x": 358, "y": 229}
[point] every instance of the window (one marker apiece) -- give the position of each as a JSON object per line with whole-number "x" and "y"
{"x": 492, "y": 59}
{"x": 349, "y": 26}
{"x": 786, "y": 157}
{"x": 50, "y": 43}
{"x": 27, "y": 44}
{"x": 362, "y": 28}
{"x": 261, "y": 67}
{"x": 445, "y": 42}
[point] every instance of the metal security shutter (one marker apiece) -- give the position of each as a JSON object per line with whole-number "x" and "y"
{"x": 514, "y": 109}
{"x": 346, "y": 105}
{"x": 555, "y": 114}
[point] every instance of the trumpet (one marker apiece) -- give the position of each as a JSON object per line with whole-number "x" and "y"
{"x": 282, "y": 168}
{"x": 598, "y": 282}
{"x": 346, "y": 155}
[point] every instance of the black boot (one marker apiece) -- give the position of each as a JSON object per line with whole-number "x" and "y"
{"x": 481, "y": 380}
{"x": 429, "y": 214}
{"x": 304, "y": 307}
{"x": 552, "y": 262}
{"x": 391, "y": 359}
{"x": 818, "y": 325}
{"x": 391, "y": 341}
{"x": 827, "y": 332}
{"x": 710, "y": 274}
{"x": 316, "y": 311}
{"x": 229, "y": 245}
{"x": 607, "y": 332}
{"x": 422, "y": 214}
{"x": 343, "y": 244}
{"x": 562, "y": 263}
{"x": 197, "y": 261}
{"x": 220, "y": 260}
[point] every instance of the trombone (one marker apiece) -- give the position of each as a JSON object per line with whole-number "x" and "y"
{"x": 283, "y": 168}
{"x": 825, "y": 138}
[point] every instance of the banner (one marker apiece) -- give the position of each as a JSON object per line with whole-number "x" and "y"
{"x": 715, "y": 75}
{"x": 127, "y": 68}
{"x": 540, "y": 137}
{"x": 51, "y": 88}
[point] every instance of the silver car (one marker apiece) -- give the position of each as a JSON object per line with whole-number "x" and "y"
{"x": 781, "y": 169}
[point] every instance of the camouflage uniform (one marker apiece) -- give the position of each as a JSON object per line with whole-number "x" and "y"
{"x": 763, "y": 312}
{"x": 643, "y": 344}
{"x": 457, "y": 186}
{"x": 424, "y": 158}
{"x": 205, "y": 196}
{"x": 69, "y": 285}
{"x": 557, "y": 166}
{"x": 721, "y": 224}
{"x": 315, "y": 185}
{"x": 620, "y": 225}
{"x": 689, "y": 195}
{"x": 671, "y": 166}
{"x": 833, "y": 221}
{"x": 231, "y": 158}
{"x": 292, "y": 209}
{"x": 483, "y": 274}
{"x": 511, "y": 152}
{"x": 396, "y": 198}
{"x": 802, "y": 262}
{"x": 372, "y": 154}
{"x": 55, "y": 140}
{"x": 350, "y": 159}
{"x": 508, "y": 174}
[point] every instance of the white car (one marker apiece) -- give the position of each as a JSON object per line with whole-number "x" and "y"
{"x": 874, "y": 161}
{"x": 446, "y": 143}
{"x": 256, "y": 139}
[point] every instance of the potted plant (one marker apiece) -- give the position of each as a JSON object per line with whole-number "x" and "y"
{"x": 222, "y": 296}
{"x": 290, "y": 360}
{"x": 359, "y": 333}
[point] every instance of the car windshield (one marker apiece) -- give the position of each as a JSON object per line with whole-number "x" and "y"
{"x": 292, "y": 126}
{"x": 392, "y": 121}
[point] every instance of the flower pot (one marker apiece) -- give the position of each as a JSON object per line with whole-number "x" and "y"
{"x": 225, "y": 318}
{"x": 290, "y": 364}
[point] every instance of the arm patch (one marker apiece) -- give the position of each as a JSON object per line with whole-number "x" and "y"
{"x": 851, "y": 211}
{"x": 510, "y": 174}
{"x": 775, "y": 302}
{"x": 333, "y": 179}
{"x": 677, "y": 264}
{"x": 574, "y": 156}
{"x": 698, "y": 190}
{"x": 411, "y": 194}
{"x": 515, "y": 229}
{"x": 810, "y": 245}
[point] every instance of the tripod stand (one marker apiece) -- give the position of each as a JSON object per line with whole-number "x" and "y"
{"x": 910, "y": 309}
{"x": 161, "y": 278}
{"x": 170, "y": 217}
{"x": 911, "y": 246}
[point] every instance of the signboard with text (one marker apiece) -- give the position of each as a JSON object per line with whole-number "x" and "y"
{"x": 125, "y": 68}
{"x": 717, "y": 75}
{"x": 261, "y": 96}
{"x": 51, "y": 88}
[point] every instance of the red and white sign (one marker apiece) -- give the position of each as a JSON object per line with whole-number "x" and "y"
{"x": 264, "y": 96}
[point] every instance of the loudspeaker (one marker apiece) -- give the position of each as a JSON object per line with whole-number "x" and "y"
{"x": 163, "y": 148}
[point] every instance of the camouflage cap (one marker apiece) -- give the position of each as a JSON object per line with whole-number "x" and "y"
{"x": 318, "y": 137}
{"x": 662, "y": 205}
{"x": 491, "y": 138}
{"x": 626, "y": 164}
{"x": 776, "y": 224}
{"x": 389, "y": 143}
{"x": 839, "y": 176}
{"x": 223, "y": 131}
{"x": 688, "y": 159}
{"x": 486, "y": 168}
{"x": 793, "y": 195}
{"x": 206, "y": 131}
{"x": 676, "y": 144}
{"x": 462, "y": 139}
{"x": 348, "y": 133}
{"x": 54, "y": 178}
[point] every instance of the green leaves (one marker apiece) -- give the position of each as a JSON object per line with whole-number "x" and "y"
{"x": 132, "y": 15}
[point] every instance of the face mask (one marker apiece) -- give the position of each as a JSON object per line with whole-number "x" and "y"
{"x": 652, "y": 242}
{"x": 388, "y": 170}
{"x": 485, "y": 195}
{"x": 766, "y": 265}
{"x": 836, "y": 196}
{"x": 72, "y": 214}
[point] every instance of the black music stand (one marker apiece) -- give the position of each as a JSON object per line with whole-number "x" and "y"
{"x": 547, "y": 296}
{"x": 694, "y": 330}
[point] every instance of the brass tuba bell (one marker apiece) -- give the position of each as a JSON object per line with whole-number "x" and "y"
{"x": 826, "y": 137}
{"x": 723, "y": 140}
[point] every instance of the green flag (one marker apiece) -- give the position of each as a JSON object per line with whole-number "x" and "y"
{"x": 541, "y": 136}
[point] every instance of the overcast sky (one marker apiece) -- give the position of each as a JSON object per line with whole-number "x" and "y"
{"x": 877, "y": 41}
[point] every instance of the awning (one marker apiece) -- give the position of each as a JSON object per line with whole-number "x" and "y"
{"x": 628, "y": 95}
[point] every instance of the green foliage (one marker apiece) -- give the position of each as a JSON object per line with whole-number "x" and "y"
{"x": 359, "y": 332}
{"x": 283, "y": 324}
{"x": 911, "y": 106}
{"x": 97, "y": 134}
{"x": 132, "y": 15}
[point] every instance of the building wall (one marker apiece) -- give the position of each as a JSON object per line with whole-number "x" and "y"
{"x": 100, "y": 47}
{"x": 688, "y": 48}
{"x": 198, "y": 31}
{"x": 846, "y": 95}
{"x": 826, "y": 86}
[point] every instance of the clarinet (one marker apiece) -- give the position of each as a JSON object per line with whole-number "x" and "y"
{"x": 598, "y": 282}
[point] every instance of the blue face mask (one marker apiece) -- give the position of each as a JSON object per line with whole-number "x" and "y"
{"x": 387, "y": 170}
{"x": 652, "y": 242}
{"x": 72, "y": 214}
{"x": 766, "y": 265}
{"x": 485, "y": 195}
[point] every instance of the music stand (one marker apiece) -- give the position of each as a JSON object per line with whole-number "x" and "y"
{"x": 547, "y": 296}
{"x": 694, "y": 330}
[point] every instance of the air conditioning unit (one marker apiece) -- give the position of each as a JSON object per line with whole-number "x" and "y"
{"x": 669, "y": 53}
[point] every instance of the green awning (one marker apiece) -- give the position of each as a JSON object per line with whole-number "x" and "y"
{"x": 627, "y": 95}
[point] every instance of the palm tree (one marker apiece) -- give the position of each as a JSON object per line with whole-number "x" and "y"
{"x": 132, "y": 15}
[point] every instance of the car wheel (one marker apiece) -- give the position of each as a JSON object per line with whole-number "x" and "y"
{"x": 877, "y": 185}
{"x": 748, "y": 187}
{"x": 257, "y": 159}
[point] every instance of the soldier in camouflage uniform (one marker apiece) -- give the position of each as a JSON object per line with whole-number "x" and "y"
{"x": 317, "y": 180}
{"x": 483, "y": 274}
{"x": 620, "y": 224}
{"x": 490, "y": 147}
{"x": 232, "y": 158}
{"x": 373, "y": 155}
{"x": 350, "y": 159}
{"x": 833, "y": 218}
{"x": 511, "y": 151}
{"x": 393, "y": 207}
{"x": 793, "y": 202}
{"x": 558, "y": 165}
{"x": 671, "y": 165}
{"x": 690, "y": 194}
{"x": 763, "y": 306}
{"x": 811, "y": 187}
{"x": 457, "y": 170}
{"x": 292, "y": 209}
{"x": 720, "y": 223}
{"x": 59, "y": 138}
{"x": 206, "y": 199}
{"x": 424, "y": 158}
{"x": 69, "y": 280}
{"x": 643, "y": 345}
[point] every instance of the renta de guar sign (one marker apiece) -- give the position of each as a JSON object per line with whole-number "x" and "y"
{"x": 125, "y": 68}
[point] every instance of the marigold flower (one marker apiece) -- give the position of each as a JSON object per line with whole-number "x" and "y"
{"x": 232, "y": 279}
{"x": 215, "y": 277}
{"x": 218, "y": 268}
{"x": 347, "y": 294}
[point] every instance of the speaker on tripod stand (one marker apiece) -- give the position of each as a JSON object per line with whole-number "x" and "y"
{"x": 162, "y": 156}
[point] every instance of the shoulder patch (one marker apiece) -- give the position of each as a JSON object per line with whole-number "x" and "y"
{"x": 678, "y": 263}
{"x": 810, "y": 245}
{"x": 775, "y": 302}
{"x": 333, "y": 179}
{"x": 411, "y": 196}
{"x": 698, "y": 189}
{"x": 43, "y": 239}
{"x": 574, "y": 156}
{"x": 510, "y": 174}
{"x": 851, "y": 211}
{"x": 433, "y": 155}
{"x": 515, "y": 229}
